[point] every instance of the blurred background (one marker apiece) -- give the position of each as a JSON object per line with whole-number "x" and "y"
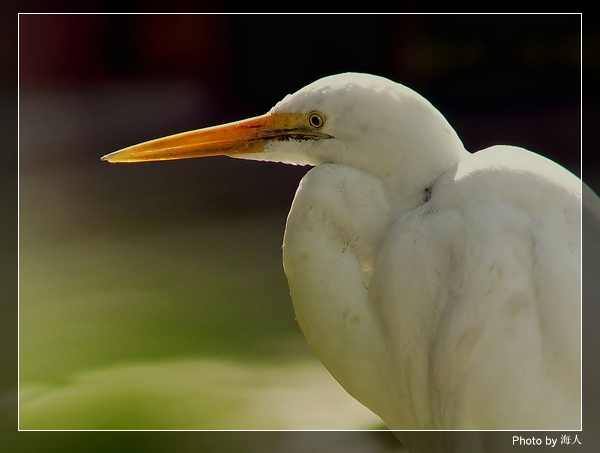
{"x": 152, "y": 296}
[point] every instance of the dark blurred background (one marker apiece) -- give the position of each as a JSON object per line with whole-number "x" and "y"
{"x": 170, "y": 269}
{"x": 91, "y": 84}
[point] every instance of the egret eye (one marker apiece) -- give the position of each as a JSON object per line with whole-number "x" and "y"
{"x": 316, "y": 120}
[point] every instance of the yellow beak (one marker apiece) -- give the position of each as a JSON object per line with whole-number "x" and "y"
{"x": 241, "y": 137}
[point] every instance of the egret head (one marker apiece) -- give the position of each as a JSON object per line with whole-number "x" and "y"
{"x": 360, "y": 120}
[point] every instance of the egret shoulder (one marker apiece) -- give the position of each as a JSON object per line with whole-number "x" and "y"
{"x": 469, "y": 281}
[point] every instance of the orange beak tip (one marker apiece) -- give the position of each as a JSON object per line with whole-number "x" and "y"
{"x": 109, "y": 159}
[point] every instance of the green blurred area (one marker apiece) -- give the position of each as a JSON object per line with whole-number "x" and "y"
{"x": 91, "y": 301}
{"x": 182, "y": 321}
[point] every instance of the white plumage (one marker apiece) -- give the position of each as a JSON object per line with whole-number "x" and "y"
{"x": 442, "y": 289}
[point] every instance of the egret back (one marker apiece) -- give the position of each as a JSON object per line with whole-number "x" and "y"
{"x": 432, "y": 315}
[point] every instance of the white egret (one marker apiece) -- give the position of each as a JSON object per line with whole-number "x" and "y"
{"x": 442, "y": 289}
